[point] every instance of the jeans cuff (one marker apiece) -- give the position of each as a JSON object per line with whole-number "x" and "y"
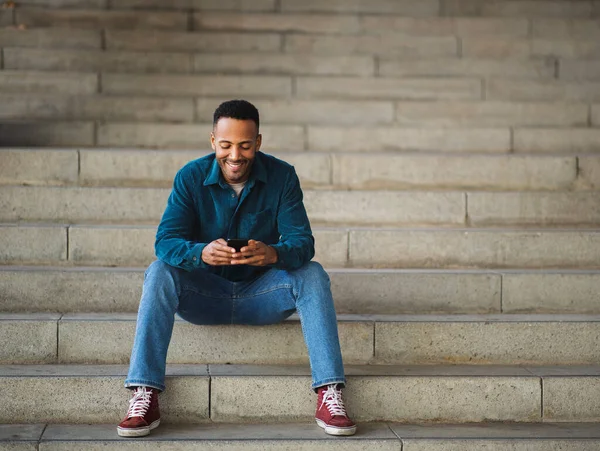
{"x": 144, "y": 382}
{"x": 328, "y": 381}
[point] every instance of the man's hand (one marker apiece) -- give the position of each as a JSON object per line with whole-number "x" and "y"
{"x": 255, "y": 254}
{"x": 217, "y": 253}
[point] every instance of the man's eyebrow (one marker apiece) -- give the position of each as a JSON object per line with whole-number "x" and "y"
{"x": 229, "y": 142}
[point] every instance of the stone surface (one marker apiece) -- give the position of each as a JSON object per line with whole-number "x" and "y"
{"x": 394, "y": 292}
{"x": 483, "y": 341}
{"x": 298, "y": 436}
{"x": 33, "y": 167}
{"x": 35, "y": 106}
{"x": 279, "y": 63}
{"x": 82, "y": 4}
{"x": 6, "y": 17}
{"x": 157, "y": 168}
{"x": 397, "y": 171}
{"x": 48, "y": 82}
{"x": 457, "y": 399}
{"x": 491, "y": 114}
{"x": 388, "y": 44}
{"x": 373, "y": 139}
{"x": 20, "y": 432}
{"x": 224, "y": 5}
{"x": 493, "y": 47}
{"x": 384, "y": 207}
{"x": 467, "y": 67}
{"x": 565, "y": 28}
{"x": 516, "y": 8}
{"x": 60, "y": 399}
{"x": 567, "y": 209}
{"x": 589, "y": 171}
{"x": 134, "y": 246}
{"x": 29, "y": 289}
{"x": 16, "y": 244}
{"x": 511, "y": 89}
{"x": 94, "y": 19}
{"x": 196, "y": 85}
{"x": 550, "y": 292}
{"x": 189, "y": 136}
{"x": 423, "y": 8}
{"x": 68, "y": 134}
{"x": 59, "y": 290}
{"x": 438, "y": 248}
{"x": 50, "y": 38}
{"x": 389, "y": 88}
{"x": 566, "y": 48}
{"x": 88, "y": 205}
{"x": 533, "y": 444}
{"x": 92, "y": 61}
{"x": 579, "y": 70}
{"x": 296, "y": 111}
{"x": 596, "y": 114}
{"x": 28, "y": 338}
{"x": 557, "y": 140}
{"x": 301, "y": 23}
{"x": 571, "y": 398}
{"x": 444, "y": 26}
{"x": 164, "y": 41}
{"x": 80, "y": 342}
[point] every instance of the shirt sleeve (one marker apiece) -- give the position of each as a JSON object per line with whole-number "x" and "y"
{"x": 297, "y": 244}
{"x": 174, "y": 243}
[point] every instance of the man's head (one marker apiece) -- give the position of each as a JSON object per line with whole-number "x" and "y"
{"x": 235, "y": 139}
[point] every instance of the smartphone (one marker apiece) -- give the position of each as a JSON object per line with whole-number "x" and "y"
{"x": 237, "y": 243}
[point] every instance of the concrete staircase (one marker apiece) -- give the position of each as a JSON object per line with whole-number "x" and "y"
{"x": 449, "y": 155}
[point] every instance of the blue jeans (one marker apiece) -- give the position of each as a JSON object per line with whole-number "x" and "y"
{"x": 201, "y": 297}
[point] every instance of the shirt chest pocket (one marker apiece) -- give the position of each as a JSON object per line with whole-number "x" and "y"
{"x": 259, "y": 226}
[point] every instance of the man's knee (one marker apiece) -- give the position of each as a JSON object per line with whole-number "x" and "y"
{"x": 312, "y": 273}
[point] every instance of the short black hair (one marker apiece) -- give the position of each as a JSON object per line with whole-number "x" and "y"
{"x": 237, "y": 109}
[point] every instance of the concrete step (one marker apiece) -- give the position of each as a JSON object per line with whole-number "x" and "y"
{"x": 579, "y": 70}
{"x": 98, "y": 19}
{"x": 335, "y": 247}
{"x": 356, "y": 170}
{"x": 234, "y": 393}
{"x": 511, "y": 8}
{"x": 89, "y": 338}
{"x": 131, "y": 206}
{"x": 47, "y": 38}
{"x": 146, "y": 206}
{"x": 105, "y": 290}
{"x": 63, "y": 106}
{"x": 558, "y": 28}
{"x": 308, "y": 437}
{"x": 510, "y": 89}
{"x": 523, "y": 48}
{"x": 171, "y": 61}
{"x": 202, "y": 5}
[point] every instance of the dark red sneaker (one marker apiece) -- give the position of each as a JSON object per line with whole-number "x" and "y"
{"x": 143, "y": 414}
{"x": 331, "y": 414}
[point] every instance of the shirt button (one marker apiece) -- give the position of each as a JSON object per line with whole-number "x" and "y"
{"x": 194, "y": 259}
{"x": 232, "y": 196}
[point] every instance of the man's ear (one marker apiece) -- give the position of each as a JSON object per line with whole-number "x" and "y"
{"x": 258, "y": 142}
{"x": 212, "y": 141}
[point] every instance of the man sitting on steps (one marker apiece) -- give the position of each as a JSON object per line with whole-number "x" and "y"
{"x": 237, "y": 192}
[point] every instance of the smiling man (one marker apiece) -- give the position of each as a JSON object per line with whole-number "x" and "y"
{"x": 236, "y": 193}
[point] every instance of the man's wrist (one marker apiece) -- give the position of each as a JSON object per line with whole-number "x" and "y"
{"x": 274, "y": 256}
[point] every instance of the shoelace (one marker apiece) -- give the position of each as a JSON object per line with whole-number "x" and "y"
{"x": 332, "y": 398}
{"x": 138, "y": 405}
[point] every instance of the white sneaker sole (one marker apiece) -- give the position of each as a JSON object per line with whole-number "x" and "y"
{"x": 334, "y": 430}
{"x": 137, "y": 432}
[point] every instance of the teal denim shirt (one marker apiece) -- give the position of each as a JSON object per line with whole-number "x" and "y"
{"x": 202, "y": 208}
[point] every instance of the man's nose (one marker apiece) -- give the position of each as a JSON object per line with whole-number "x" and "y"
{"x": 235, "y": 153}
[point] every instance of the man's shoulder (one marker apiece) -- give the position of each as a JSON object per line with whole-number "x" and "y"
{"x": 198, "y": 167}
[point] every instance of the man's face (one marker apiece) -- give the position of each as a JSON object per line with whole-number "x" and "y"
{"x": 235, "y": 143}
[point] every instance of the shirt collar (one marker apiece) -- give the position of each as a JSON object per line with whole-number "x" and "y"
{"x": 258, "y": 172}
